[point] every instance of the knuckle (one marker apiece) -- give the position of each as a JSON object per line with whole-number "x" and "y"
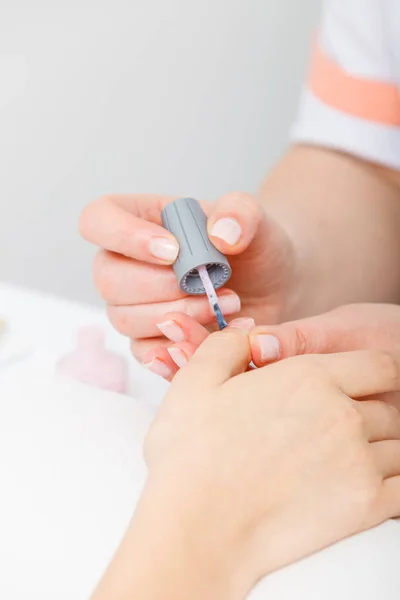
{"x": 366, "y": 497}
{"x": 300, "y": 340}
{"x": 388, "y": 367}
{"x": 351, "y": 419}
{"x": 88, "y": 217}
{"x": 392, "y": 414}
{"x": 137, "y": 350}
{"x": 309, "y": 367}
{"x": 103, "y": 275}
{"x": 246, "y": 202}
{"x": 120, "y": 320}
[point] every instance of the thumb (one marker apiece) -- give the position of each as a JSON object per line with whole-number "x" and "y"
{"x": 233, "y": 222}
{"x": 220, "y": 357}
{"x": 348, "y": 328}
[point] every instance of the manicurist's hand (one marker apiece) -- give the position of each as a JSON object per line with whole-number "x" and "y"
{"x": 249, "y": 471}
{"x": 133, "y": 270}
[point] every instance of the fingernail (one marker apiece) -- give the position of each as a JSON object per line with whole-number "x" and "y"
{"x": 164, "y": 248}
{"x": 243, "y": 323}
{"x": 178, "y": 356}
{"x": 229, "y": 304}
{"x": 172, "y": 331}
{"x": 158, "y": 367}
{"x": 227, "y": 230}
{"x": 269, "y": 346}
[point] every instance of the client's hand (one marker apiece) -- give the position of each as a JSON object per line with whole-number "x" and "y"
{"x": 249, "y": 471}
{"x": 350, "y": 327}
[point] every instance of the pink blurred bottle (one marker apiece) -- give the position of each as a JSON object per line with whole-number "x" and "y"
{"x": 93, "y": 364}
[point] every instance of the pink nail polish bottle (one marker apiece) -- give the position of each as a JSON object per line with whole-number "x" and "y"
{"x": 93, "y": 364}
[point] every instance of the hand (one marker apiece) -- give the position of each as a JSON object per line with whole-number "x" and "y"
{"x": 347, "y": 328}
{"x": 251, "y": 471}
{"x": 133, "y": 275}
{"x": 282, "y": 461}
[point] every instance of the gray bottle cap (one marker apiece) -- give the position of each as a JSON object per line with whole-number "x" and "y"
{"x": 187, "y": 221}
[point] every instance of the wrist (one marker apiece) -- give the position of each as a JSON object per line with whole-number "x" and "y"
{"x": 174, "y": 548}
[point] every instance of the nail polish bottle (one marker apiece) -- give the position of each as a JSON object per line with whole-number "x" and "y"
{"x": 93, "y": 364}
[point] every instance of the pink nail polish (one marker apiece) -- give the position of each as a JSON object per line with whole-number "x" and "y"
{"x": 164, "y": 248}
{"x": 158, "y": 367}
{"x": 229, "y": 304}
{"x": 228, "y": 230}
{"x": 172, "y": 331}
{"x": 269, "y": 346}
{"x": 178, "y": 356}
{"x": 242, "y": 323}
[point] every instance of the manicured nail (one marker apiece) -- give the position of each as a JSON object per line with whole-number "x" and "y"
{"x": 269, "y": 346}
{"x": 164, "y": 248}
{"x": 229, "y": 304}
{"x": 178, "y": 356}
{"x": 158, "y": 367}
{"x": 172, "y": 331}
{"x": 227, "y": 230}
{"x": 242, "y": 323}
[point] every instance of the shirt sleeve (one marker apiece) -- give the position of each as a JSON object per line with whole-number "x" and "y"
{"x": 351, "y": 99}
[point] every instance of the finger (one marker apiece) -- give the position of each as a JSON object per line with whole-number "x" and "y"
{"x": 387, "y": 457}
{"x": 136, "y": 233}
{"x": 234, "y": 221}
{"x": 141, "y": 321}
{"x": 179, "y": 327}
{"x": 221, "y": 356}
{"x": 363, "y": 373}
{"x": 391, "y": 498}
{"x": 125, "y": 281}
{"x": 382, "y": 421}
{"x": 348, "y": 328}
{"x": 182, "y": 353}
{"x": 159, "y": 362}
{"x": 140, "y": 348}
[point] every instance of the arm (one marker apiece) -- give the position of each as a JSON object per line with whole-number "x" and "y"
{"x": 343, "y": 216}
{"x": 337, "y": 191}
{"x": 168, "y": 553}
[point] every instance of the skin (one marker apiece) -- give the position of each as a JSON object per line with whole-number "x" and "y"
{"x": 344, "y": 329}
{"x": 325, "y": 464}
{"x": 318, "y": 212}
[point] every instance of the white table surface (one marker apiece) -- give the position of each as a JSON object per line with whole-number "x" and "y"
{"x": 71, "y": 470}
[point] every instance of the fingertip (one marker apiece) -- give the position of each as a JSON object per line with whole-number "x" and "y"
{"x": 246, "y": 323}
{"x": 265, "y": 348}
{"x": 159, "y": 362}
{"x": 181, "y": 353}
{"x": 234, "y": 222}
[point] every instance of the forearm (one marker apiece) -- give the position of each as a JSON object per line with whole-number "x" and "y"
{"x": 343, "y": 217}
{"x": 168, "y": 552}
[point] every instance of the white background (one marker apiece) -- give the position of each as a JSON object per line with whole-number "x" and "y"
{"x": 190, "y": 97}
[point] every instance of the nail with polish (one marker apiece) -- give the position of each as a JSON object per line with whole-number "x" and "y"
{"x": 178, "y": 356}
{"x": 229, "y": 304}
{"x": 228, "y": 230}
{"x": 269, "y": 346}
{"x": 158, "y": 367}
{"x": 164, "y": 248}
{"x": 242, "y": 323}
{"x": 172, "y": 331}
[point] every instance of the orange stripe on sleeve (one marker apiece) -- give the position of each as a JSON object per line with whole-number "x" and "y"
{"x": 376, "y": 101}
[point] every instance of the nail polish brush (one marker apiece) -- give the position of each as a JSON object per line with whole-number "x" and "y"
{"x": 199, "y": 268}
